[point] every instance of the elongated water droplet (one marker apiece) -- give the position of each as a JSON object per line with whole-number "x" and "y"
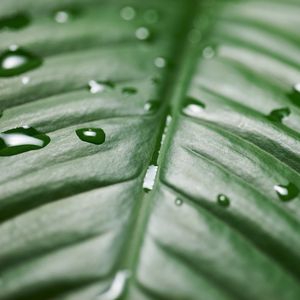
{"x": 178, "y": 202}
{"x": 15, "y": 61}
{"x": 294, "y": 95}
{"x": 277, "y": 115}
{"x": 143, "y": 33}
{"x": 99, "y": 86}
{"x": 21, "y": 139}
{"x": 129, "y": 90}
{"x": 127, "y": 13}
{"x": 160, "y": 62}
{"x": 150, "y": 178}
{"x": 152, "y": 106}
{"x": 223, "y": 200}
{"x": 286, "y": 192}
{"x": 91, "y": 135}
{"x": 117, "y": 287}
{"x": 14, "y": 22}
{"x": 151, "y": 16}
{"x": 193, "y": 107}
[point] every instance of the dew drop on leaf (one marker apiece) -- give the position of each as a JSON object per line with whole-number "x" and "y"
{"x": 25, "y": 80}
{"x": 127, "y": 13}
{"x": 294, "y": 95}
{"x": 286, "y": 192}
{"x": 99, "y": 86}
{"x": 129, "y": 90}
{"x": 223, "y": 200}
{"x": 193, "y": 107}
{"x": 15, "y": 61}
{"x": 143, "y": 33}
{"x": 91, "y": 135}
{"x": 152, "y": 106}
{"x": 14, "y": 22}
{"x": 277, "y": 115}
{"x": 160, "y": 62}
{"x": 21, "y": 139}
{"x": 64, "y": 15}
{"x": 208, "y": 52}
{"x": 178, "y": 202}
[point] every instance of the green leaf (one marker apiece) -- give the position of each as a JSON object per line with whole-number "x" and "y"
{"x": 202, "y": 92}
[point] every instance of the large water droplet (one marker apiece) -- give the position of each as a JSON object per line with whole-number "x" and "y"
{"x": 223, "y": 200}
{"x": 178, "y": 202}
{"x": 15, "y": 61}
{"x": 21, "y": 139}
{"x": 150, "y": 178}
{"x": 143, "y": 33}
{"x": 160, "y": 62}
{"x": 117, "y": 287}
{"x": 193, "y": 107}
{"x": 91, "y": 135}
{"x": 127, "y": 13}
{"x": 129, "y": 90}
{"x": 14, "y": 22}
{"x": 277, "y": 115}
{"x": 152, "y": 106}
{"x": 151, "y": 16}
{"x": 99, "y": 86}
{"x": 286, "y": 192}
{"x": 294, "y": 95}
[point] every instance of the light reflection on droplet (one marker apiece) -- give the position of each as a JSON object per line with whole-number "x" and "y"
{"x": 25, "y": 80}
{"x": 61, "y": 16}
{"x": 178, "y": 202}
{"x": 117, "y": 287}
{"x": 150, "y": 178}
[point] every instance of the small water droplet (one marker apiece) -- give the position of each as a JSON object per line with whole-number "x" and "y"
{"x": 21, "y": 139}
{"x": 151, "y": 16}
{"x": 143, "y": 33}
{"x": 15, "y": 61}
{"x": 193, "y": 107}
{"x": 91, "y": 135}
{"x": 150, "y": 178}
{"x": 99, "y": 86}
{"x": 178, "y": 202}
{"x": 208, "y": 52}
{"x": 25, "y": 80}
{"x": 194, "y": 36}
{"x": 129, "y": 90}
{"x": 127, "y": 13}
{"x": 294, "y": 95}
{"x": 14, "y": 22}
{"x": 160, "y": 62}
{"x": 286, "y": 192}
{"x": 64, "y": 15}
{"x": 223, "y": 200}
{"x": 277, "y": 115}
{"x": 152, "y": 106}
{"x": 117, "y": 287}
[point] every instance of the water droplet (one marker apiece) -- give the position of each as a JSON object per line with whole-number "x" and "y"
{"x": 178, "y": 202}
{"x": 151, "y": 16}
{"x": 194, "y": 36}
{"x": 193, "y": 107}
{"x": 15, "y": 61}
{"x": 129, "y": 90}
{"x": 117, "y": 287}
{"x": 127, "y": 13}
{"x": 143, "y": 33}
{"x": 277, "y": 115}
{"x": 25, "y": 80}
{"x": 152, "y": 106}
{"x": 91, "y": 135}
{"x": 150, "y": 178}
{"x": 223, "y": 200}
{"x": 99, "y": 86}
{"x": 294, "y": 95}
{"x": 21, "y": 139}
{"x": 65, "y": 15}
{"x": 14, "y": 22}
{"x": 286, "y": 192}
{"x": 160, "y": 62}
{"x": 208, "y": 52}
